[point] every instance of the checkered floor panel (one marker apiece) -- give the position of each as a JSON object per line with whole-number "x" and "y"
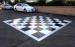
{"x": 37, "y": 27}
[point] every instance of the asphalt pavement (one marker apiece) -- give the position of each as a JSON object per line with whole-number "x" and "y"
{"x": 10, "y": 37}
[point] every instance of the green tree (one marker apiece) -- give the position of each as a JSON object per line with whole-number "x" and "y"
{"x": 42, "y": 2}
{"x": 22, "y": 1}
{"x": 7, "y": 1}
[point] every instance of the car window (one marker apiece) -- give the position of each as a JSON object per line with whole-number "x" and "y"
{"x": 18, "y": 4}
{"x": 25, "y": 5}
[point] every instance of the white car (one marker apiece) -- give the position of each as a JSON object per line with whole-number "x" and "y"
{"x": 6, "y": 6}
{"x": 24, "y": 7}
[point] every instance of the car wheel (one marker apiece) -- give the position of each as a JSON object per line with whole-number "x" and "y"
{"x": 25, "y": 10}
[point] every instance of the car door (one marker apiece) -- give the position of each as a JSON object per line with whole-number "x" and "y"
{"x": 19, "y": 7}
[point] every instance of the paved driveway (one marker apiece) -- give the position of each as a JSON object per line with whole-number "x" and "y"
{"x": 10, "y": 37}
{"x": 66, "y": 10}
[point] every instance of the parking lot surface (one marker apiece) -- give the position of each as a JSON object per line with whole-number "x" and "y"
{"x": 10, "y": 37}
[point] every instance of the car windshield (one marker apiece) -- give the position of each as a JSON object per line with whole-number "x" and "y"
{"x": 25, "y": 4}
